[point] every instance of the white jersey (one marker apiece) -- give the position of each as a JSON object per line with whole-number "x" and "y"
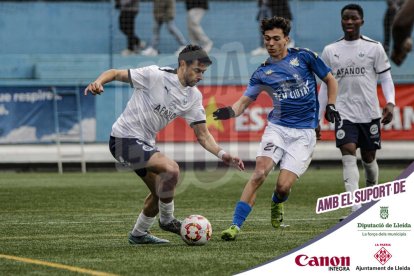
{"x": 356, "y": 65}
{"x": 158, "y": 98}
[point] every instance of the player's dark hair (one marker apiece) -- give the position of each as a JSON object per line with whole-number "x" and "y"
{"x": 355, "y": 7}
{"x": 194, "y": 52}
{"x": 276, "y": 22}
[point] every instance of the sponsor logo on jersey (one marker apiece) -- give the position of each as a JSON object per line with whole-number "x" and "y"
{"x": 268, "y": 72}
{"x": 350, "y": 71}
{"x": 165, "y": 112}
{"x": 289, "y": 90}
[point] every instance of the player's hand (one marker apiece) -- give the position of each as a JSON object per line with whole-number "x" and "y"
{"x": 233, "y": 161}
{"x": 95, "y": 88}
{"x": 387, "y": 113}
{"x": 318, "y": 132}
{"x": 331, "y": 114}
{"x": 223, "y": 113}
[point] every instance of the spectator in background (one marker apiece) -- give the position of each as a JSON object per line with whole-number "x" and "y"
{"x": 268, "y": 9}
{"x": 195, "y": 13}
{"x": 401, "y": 32}
{"x": 128, "y": 10}
{"x": 164, "y": 12}
{"x": 392, "y": 8}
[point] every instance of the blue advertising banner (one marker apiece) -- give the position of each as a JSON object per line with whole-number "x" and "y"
{"x": 38, "y": 114}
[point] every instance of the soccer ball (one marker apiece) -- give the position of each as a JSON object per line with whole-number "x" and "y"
{"x": 196, "y": 230}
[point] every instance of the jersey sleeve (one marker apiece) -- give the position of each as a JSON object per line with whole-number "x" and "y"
{"x": 196, "y": 114}
{"x": 140, "y": 77}
{"x": 254, "y": 87}
{"x": 325, "y": 57}
{"x": 317, "y": 65}
{"x": 382, "y": 62}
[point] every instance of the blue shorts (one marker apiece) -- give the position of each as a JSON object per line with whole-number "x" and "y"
{"x": 366, "y": 136}
{"x": 132, "y": 152}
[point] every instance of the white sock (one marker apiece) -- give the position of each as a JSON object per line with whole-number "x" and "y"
{"x": 142, "y": 225}
{"x": 166, "y": 211}
{"x": 351, "y": 176}
{"x": 371, "y": 173}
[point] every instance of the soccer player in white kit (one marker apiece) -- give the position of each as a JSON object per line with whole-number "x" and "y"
{"x": 160, "y": 95}
{"x": 357, "y": 63}
{"x": 288, "y": 77}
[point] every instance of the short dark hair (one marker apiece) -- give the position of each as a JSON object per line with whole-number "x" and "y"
{"x": 276, "y": 22}
{"x": 355, "y": 7}
{"x": 194, "y": 52}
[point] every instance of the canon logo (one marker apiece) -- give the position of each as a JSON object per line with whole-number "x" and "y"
{"x": 303, "y": 260}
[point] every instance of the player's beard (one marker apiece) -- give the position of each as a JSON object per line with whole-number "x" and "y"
{"x": 189, "y": 82}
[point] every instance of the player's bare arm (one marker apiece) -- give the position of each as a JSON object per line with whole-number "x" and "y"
{"x": 331, "y": 114}
{"x": 208, "y": 142}
{"x": 96, "y": 87}
{"x": 332, "y": 87}
{"x": 241, "y": 105}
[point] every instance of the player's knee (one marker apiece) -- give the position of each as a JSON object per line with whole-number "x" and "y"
{"x": 173, "y": 170}
{"x": 283, "y": 187}
{"x": 170, "y": 175}
{"x": 258, "y": 177}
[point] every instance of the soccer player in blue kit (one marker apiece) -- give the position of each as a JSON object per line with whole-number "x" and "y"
{"x": 287, "y": 76}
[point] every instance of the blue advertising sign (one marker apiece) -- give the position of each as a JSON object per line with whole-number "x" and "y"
{"x": 38, "y": 114}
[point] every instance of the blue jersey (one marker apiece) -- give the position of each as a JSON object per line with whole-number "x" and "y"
{"x": 291, "y": 84}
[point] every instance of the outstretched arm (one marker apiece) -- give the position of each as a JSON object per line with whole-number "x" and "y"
{"x": 96, "y": 87}
{"x": 207, "y": 141}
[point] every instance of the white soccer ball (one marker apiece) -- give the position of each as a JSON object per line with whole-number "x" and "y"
{"x": 196, "y": 230}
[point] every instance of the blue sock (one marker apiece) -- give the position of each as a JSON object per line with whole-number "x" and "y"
{"x": 241, "y": 212}
{"x": 278, "y": 199}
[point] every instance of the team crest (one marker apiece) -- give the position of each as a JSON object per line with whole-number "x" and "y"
{"x": 294, "y": 62}
{"x": 147, "y": 148}
{"x": 373, "y": 129}
{"x": 384, "y": 212}
{"x": 268, "y": 72}
{"x": 340, "y": 134}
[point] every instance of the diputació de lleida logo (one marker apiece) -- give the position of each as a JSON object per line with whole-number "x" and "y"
{"x": 384, "y": 212}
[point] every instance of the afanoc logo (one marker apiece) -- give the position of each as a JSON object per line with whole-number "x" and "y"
{"x": 333, "y": 263}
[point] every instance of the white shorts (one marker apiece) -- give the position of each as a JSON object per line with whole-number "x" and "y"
{"x": 291, "y": 146}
